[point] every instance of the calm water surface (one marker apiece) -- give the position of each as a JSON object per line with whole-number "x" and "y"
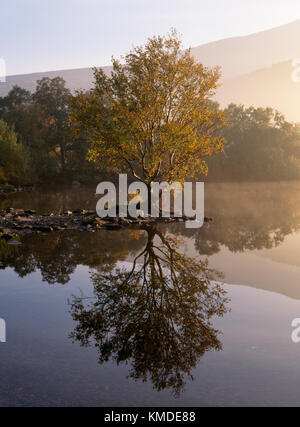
{"x": 164, "y": 316}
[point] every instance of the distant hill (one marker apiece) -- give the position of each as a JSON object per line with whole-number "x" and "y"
{"x": 272, "y": 86}
{"x": 241, "y": 55}
{"x": 256, "y": 70}
{"x": 81, "y": 78}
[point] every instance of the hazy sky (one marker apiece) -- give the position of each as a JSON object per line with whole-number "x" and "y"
{"x": 42, "y": 35}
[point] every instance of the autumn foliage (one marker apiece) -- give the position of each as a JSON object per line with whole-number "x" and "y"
{"x": 153, "y": 116}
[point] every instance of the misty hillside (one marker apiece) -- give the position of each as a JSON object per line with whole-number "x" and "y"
{"x": 81, "y": 78}
{"x": 272, "y": 86}
{"x": 256, "y": 70}
{"x": 241, "y": 55}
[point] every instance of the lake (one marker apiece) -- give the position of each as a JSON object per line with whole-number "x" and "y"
{"x": 167, "y": 316}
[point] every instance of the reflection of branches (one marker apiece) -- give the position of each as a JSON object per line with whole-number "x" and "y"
{"x": 247, "y": 217}
{"x": 157, "y": 313}
{"x": 56, "y": 255}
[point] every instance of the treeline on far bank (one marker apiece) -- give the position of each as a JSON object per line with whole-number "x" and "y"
{"x": 261, "y": 146}
{"x": 36, "y": 145}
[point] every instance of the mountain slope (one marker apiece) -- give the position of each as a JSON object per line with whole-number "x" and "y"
{"x": 241, "y": 55}
{"x": 270, "y": 87}
{"x": 81, "y": 78}
{"x": 256, "y": 70}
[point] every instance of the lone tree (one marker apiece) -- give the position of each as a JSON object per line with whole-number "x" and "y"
{"x": 153, "y": 116}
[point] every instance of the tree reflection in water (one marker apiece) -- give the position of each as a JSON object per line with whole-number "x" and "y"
{"x": 156, "y": 314}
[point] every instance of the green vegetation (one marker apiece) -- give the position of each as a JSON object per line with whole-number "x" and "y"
{"x": 37, "y": 133}
{"x": 261, "y": 146}
{"x": 14, "y": 158}
{"x": 153, "y": 117}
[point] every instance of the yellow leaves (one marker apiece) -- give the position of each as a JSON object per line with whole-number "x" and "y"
{"x": 153, "y": 114}
{"x": 135, "y": 234}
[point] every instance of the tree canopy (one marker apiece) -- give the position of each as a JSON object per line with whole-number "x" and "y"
{"x": 262, "y": 145}
{"x": 153, "y": 117}
{"x": 14, "y": 159}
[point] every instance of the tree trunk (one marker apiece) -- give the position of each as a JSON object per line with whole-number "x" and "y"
{"x": 63, "y": 158}
{"x": 149, "y": 199}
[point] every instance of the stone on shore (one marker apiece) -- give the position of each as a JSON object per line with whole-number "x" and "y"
{"x": 19, "y": 221}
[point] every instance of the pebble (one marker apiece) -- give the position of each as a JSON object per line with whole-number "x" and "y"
{"x": 19, "y": 221}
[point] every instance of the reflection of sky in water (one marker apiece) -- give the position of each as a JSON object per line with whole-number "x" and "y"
{"x": 39, "y": 364}
{"x": 259, "y": 364}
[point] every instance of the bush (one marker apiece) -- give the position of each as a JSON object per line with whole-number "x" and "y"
{"x": 14, "y": 158}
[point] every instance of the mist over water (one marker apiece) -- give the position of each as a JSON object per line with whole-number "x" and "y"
{"x": 167, "y": 281}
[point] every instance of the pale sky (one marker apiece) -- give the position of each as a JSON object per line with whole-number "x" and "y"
{"x": 44, "y": 35}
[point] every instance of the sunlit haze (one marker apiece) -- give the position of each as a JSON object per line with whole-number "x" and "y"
{"x": 62, "y": 34}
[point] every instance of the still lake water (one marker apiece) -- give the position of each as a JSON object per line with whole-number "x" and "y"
{"x": 125, "y": 318}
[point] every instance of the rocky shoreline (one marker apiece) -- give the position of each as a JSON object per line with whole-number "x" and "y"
{"x": 16, "y": 222}
{"x": 8, "y": 189}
